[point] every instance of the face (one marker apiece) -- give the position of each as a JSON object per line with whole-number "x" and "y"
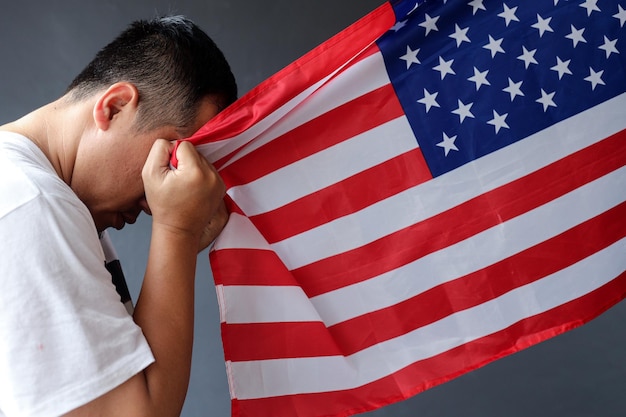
{"x": 107, "y": 174}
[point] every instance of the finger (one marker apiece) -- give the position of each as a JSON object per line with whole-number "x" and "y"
{"x": 159, "y": 155}
{"x": 186, "y": 154}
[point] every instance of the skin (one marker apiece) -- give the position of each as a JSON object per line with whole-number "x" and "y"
{"x": 119, "y": 172}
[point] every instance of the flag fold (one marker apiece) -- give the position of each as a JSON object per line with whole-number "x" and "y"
{"x": 441, "y": 184}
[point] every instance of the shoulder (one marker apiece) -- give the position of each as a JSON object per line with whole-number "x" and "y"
{"x": 29, "y": 186}
{"x": 64, "y": 333}
{"x": 47, "y": 231}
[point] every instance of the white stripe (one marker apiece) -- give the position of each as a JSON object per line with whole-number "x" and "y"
{"x": 453, "y": 188}
{"x": 260, "y": 304}
{"x": 268, "y": 378}
{"x": 267, "y": 304}
{"x": 219, "y": 290}
{"x": 213, "y": 151}
{"x": 473, "y": 254}
{"x": 231, "y": 383}
{"x": 240, "y": 233}
{"x": 324, "y": 168}
{"x": 338, "y": 88}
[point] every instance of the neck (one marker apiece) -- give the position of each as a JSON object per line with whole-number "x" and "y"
{"x": 56, "y": 129}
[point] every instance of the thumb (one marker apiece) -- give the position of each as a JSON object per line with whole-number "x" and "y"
{"x": 184, "y": 153}
{"x": 173, "y": 156}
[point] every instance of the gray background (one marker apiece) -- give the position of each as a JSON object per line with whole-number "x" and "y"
{"x": 43, "y": 44}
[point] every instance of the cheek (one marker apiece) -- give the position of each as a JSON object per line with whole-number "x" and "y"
{"x": 131, "y": 161}
{"x": 128, "y": 180}
{"x": 119, "y": 184}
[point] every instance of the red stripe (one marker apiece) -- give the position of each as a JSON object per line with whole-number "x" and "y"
{"x": 365, "y": 113}
{"x": 487, "y": 210}
{"x": 203, "y": 138}
{"x": 249, "y": 267}
{"x": 535, "y": 263}
{"x": 428, "y": 373}
{"x": 352, "y": 194}
{"x": 484, "y": 285}
{"x": 259, "y": 341}
{"x": 296, "y": 77}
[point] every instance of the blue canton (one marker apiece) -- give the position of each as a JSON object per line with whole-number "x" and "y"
{"x": 475, "y": 76}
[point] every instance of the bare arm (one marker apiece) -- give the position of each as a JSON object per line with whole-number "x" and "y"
{"x": 183, "y": 203}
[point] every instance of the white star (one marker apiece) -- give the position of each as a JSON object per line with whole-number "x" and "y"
{"x": 476, "y": 4}
{"x": 514, "y": 89}
{"x": 528, "y": 57}
{"x": 498, "y": 121}
{"x": 508, "y": 15}
{"x": 562, "y": 67}
{"x": 546, "y": 100}
{"x": 463, "y": 111}
{"x": 609, "y": 47}
{"x": 494, "y": 46}
{"x": 430, "y": 23}
{"x": 444, "y": 67}
{"x": 591, "y": 6}
{"x": 398, "y": 26}
{"x": 576, "y": 35}
{"x": 448, "y": 144}
{"x": 595, "y": 78}
{"x": 429, "y": 100}
{"x": 543, "y": 25}
{"x": 410, "y": 57}
{"x": 460, "y": 35}
{"x": 621, "y": 15}
{"x": 479, "y": 78}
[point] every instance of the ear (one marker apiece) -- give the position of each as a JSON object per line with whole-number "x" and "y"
{"x": 119, "y": 99}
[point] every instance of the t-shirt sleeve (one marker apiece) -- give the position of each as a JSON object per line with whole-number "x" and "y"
{"x": 65, "y": 337}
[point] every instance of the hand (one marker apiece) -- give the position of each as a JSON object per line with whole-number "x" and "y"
{"x": 215, "y": 226}
{"x": 182, "y": 200}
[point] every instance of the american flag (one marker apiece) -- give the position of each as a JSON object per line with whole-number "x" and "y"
{"x": 441, "y": 184}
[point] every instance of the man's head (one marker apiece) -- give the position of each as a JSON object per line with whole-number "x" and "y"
{"x": 173, "y": 64}
{"x": 159, "y": 79}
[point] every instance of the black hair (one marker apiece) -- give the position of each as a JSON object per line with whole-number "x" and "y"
{"x": 173, "y": 64}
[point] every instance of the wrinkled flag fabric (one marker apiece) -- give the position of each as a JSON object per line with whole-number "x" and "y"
{"x": 439, "y": 185}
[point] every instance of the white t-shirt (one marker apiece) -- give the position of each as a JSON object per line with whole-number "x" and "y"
{"x": 65, "y": 337}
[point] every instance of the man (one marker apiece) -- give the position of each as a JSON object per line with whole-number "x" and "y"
{"x": 93, "y": 159}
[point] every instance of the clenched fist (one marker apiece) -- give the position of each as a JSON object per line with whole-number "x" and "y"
{"x": 184, "y": 200}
